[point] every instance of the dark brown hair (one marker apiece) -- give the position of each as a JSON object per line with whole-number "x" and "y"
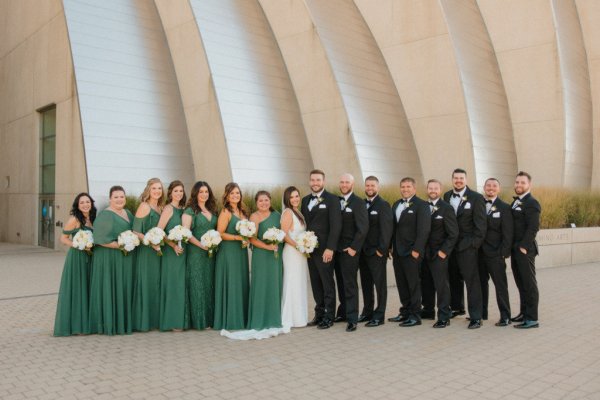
{"x": 228, "y": 189}
{"x": 211, "y": 202}
{"x": 459, "y": 171}
{"x": 116, "y": 188}
{"x": 372, "y": 178}
{"x": 76, "y": 212}
{"x": 408, "y": 179}
{"x": 263, "y": 193}
{"x": 172, "y": 186}
{"x": 287, "y": 194}
{"x": 317, "y": 172}
{"x": 525, "y": 174}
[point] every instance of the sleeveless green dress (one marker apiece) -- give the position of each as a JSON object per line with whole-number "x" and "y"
{"x": 111, "y": 287}
{"x": 200, "y": 276}
{"x": 231, "y": 282}
{"x": 72, "y": 308}
{"x": 172, "y": 282}
{"x": 267, "y": 281}
{"x": 146, "y": 287}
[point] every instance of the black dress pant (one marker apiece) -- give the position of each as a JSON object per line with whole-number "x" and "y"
{"x": 523, "y": 267}
{"x": 435, "y": 281}
{"x": 346, "y": 270}
{"x": 457, "y": 284}
{"x": 323, "y": 285}
{"x": 373, "y": 274}
{"x": 494, "y": 267}
{"x": 468, "y": 264}
{"x": 408, "y": 282}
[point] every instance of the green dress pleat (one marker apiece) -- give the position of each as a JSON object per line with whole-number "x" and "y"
{"x": 231, "y": 283}
{"x": 172, "y": 282}
{"x": 200, "y": 276}
{"x": 72, "y": 308}
{"x": 111, "y": 287}
{"x": 267, "y": 281}
{"x": 146, "y": 287}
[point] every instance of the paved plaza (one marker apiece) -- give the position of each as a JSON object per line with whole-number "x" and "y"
{"x": 560, "y": 360}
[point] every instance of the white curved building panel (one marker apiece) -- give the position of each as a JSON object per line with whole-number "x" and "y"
{"x": 131, "y": 112}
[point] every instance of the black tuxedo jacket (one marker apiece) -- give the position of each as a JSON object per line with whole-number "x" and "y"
{"x": 355, "y": 224}
{"x": 526, "y": 218}
{"x": 444, "y": 230}
{"x": 324, "y": 220}
{"x": 499, "y": 235}
{"x": 412, "y": 230}
{"x": 471, "y": 218}
{"x": 381, "y": 224}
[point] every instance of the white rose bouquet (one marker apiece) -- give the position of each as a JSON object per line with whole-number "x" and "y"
{"x": 274, "y": 236}
{"x": 211, "y": 240}
{"x": 179, "y": 234}
{"x": 128, "y": 241}
{"x": 306, "y": 243}
{"x": 84, "y": 241}
{"x": 246, "y": 229}
{"x": 155, "y": 237}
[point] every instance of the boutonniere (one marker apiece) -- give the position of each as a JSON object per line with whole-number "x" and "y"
{"x": 517, "y": 202}
{"x": 434, "y": 209}
{"x": 319, "y": 200}
{"x": 493, "y": 209}
{"x": 408, "y": 204}
{"x": 344, "y": 203}
{"x": 464, "y": 198}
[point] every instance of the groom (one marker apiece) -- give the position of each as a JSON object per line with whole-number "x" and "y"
{"x": 322, "y": 213}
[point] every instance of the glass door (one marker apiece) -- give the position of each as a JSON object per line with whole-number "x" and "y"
{"x": 47, "y": 177}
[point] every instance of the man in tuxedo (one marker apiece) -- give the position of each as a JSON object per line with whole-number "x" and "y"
{"x": 412, "y": 223}
{"x": 355, "y": 225}
{"x": 469, "y": 207}
{"x": 373, "y": 259}
{"x": 441, "y": 241}
{"x": 526, "y": 218}
{"x": 495, "y": 249}
{"x": 321, "y": 211}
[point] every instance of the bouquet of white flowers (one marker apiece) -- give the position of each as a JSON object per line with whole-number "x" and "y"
{"x": 211, "y": 240}
{"x": 274, "y": 236}
{"x": 179, "y": 234}
{"x": 306, "y": 243}
{"x": 155, "y": 237}
{"x": 246, "y": 229}
{"x": 83, "y": 240}
{"x": 128, "y": 241}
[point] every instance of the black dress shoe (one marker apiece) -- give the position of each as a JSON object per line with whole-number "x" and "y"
{"x": 363, "y": 318}
{"x": 315, "y": 321}
{"x": 427, "y": 314}
{"x": 503, "y": 322}
{"x": 518, "y": 318}
{"x": 326, "y": 323}
{"x": 410, "y": 322}
{"x": 374, "y": 322}
{"x": 457, "y": 313}
{"x": 398, "y": 318}
{"x": 475, "y": 324}
{"x": 441, "y": 324}
{"x": 351, "y": 327}
{"x": 528, "y": 325}
{"x": 339, "y": 318}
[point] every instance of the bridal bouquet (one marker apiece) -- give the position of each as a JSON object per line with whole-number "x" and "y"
{"x": 211, "y": 240}
{"x": 128, "y": 241}
{"x": 179, "y": 234}
{"x": 306, "y": 243}
{"x": 246, "y": 229}
{"x": 83, "y": 240}
{"x": 274, "y": 236}
{"x": 155, "y": 237}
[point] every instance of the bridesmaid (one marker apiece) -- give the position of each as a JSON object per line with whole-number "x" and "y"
{"x": 267, "y": 270}
{"x": 231, "y": 269}
{"x": 72, "y": 309}
{"x": 146, "y": 290}
{"x": 111, "y": 288}
{"x": 200, "y": 216}
{"x": 172, "y": 282}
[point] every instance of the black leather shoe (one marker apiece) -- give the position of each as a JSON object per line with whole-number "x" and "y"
{"x": 374, "y": 322}
{"x": 398, "y": 318}
{"x": 441, "y": 324}
{"x": 503, "y": 322}
{"x": 528, "y": 325}
{"x": 339, "y": 318}
{"x": 518, "y": 318}
{"x": 475, "y": 324}
{"x": 427, "y": 314}
{"x": 326, "y": 323}
{"x": 456, "y": 313}
{"x": 410, "y": 322}
{"x": 315, "y": 321}
{"x": 351, "y": 327}
{"x": 363, "y": 318}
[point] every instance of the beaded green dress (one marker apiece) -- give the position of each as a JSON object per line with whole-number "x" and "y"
{"x": 72, "y": 308}
{"x": 200, "y": 276}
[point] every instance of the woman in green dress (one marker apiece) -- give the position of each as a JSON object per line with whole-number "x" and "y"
{"x": 172, "y": 281}
{"x": 231, "y": 269}
{"x": 200, "y": 216}
{"x": 111, "y": 288}
{"x": 72, "y": 308}
{"x": 146, "y": 287}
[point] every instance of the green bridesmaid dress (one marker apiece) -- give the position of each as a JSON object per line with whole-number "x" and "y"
{"x": 72, "y": 308}
{"x": 172, "y": 282}
{"x": 111, "y": 288}
{"x": 267, "y": 281}
{"x": 146, "y": 287}
{"x": 200, "y": 276}
{"x": 231, "y": 282}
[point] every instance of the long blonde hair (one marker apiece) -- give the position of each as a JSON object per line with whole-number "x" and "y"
{"x": 145, "y": 196}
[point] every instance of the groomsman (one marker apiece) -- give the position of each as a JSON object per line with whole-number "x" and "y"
{"x": 434, "y": 274}
{"x": 526, "y": 217}
{"x": 321, "y": 211}
{"x": 495, "y": 249}
{"x": 412, "y": 223}
{"x": 373, "y": 259}
{"x": 355, "y": 225}
{"x": 469, "y": 207}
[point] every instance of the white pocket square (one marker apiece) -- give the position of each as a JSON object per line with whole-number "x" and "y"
{"x": 467, "y": 206}
{"x": 518, "y": 208}
{"x": 410, "y": 212}
{"x": 322, "y": 205}
{"x": 496, "y": 214}
{"x": 348, "y": 209}
{"x": 439, "y": 217}
{"x": 373, "y": 212}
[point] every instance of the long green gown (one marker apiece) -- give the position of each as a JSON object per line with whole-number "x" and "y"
{"x": 72, "y": 308}
{"x": 146, "y": 287}
{"x": 231, "y": 282}
{"x": 172, "y": 281}
{"x": 111, "y": 288}
{"x": 267, "y": 281}
{"x": 200, "y": 276}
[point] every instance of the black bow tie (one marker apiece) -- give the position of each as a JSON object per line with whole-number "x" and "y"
{"x": 431, "y": 204}
{"x": 489, "y": 201}
{"x": 455, "y": 194}
{"x": 516, "y": 198}
{"x": 342, "y": 198}
{"x": 369, "y": 202}
{"x": 402, "y": 201}
{"x": 313, "y": 197}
